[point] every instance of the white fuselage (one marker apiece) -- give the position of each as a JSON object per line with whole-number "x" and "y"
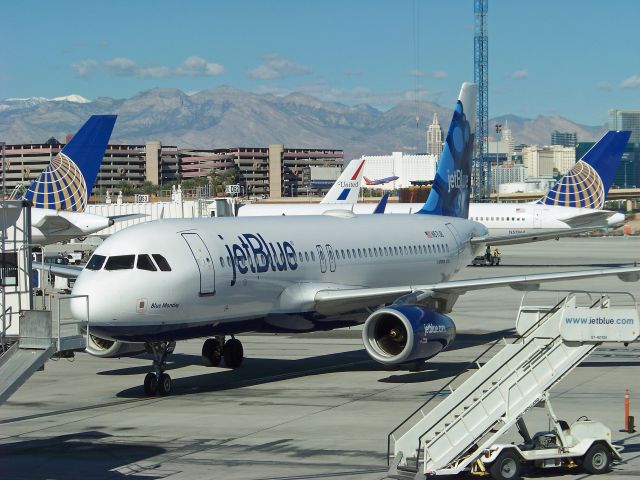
{"x": 51, "y": 226}
{"x": 499, "y": 218}
{"x": 233, "y": 274}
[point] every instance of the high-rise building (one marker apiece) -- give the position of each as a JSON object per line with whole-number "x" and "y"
{"x": 626, "y": 120}
{"x": 507, "y": 137}
{"x": 507, "y": 172}
{"x": 434, "y": 137}
{"x": 566, "y": 139}
{"x": 541, "y": 161}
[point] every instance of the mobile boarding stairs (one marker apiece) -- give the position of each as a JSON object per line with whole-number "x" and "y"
{"x": 449, "y": 437}
{"x": 43, "y": 334}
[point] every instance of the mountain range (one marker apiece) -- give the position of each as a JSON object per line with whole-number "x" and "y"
{"x": 228, "y": 117}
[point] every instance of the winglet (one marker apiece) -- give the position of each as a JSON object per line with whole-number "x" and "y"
{"x": 589, "y": 180}
{"x": 382, "y": 204}
{"x": 66, "y": 183}
{"x": 347, "y": 187}
{"x": 451, "y": 189}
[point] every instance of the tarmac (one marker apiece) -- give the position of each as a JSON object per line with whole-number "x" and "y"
{"x": 306, "y": 406}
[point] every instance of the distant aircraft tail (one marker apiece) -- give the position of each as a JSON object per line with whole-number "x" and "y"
{"x": 588, "y": 182}
{"x": 451, "y": 189}
{"x": 367, "y": 181}
{"x": 67, "y": 181}
{"x": 347, "y": 187}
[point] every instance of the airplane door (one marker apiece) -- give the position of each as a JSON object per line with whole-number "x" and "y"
{"x": 456, "y": 237}
{"x": 323, "y": 260}
{"x": 332, "y": 258}
{"x": 537, "y": 217}
{"x": 204, "y": 261}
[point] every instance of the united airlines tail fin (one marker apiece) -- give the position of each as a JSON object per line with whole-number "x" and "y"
{"x": 66, "y": 183}
{"x": 588, "y": 182}
{"x": 451, "y": 189}
{"x": 347, "y": 187}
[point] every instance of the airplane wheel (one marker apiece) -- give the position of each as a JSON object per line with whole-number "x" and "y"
{"x": 151, "y": 385}
{"x": 164, "y": 387}
{"x": 233, "y": 353}
{"x": 211, "y": 352}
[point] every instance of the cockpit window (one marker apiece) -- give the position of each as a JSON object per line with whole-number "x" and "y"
{"x": 95, "y": 262}
{"x": 120, "y": 262}
{"x": 162, "y": 262}
{"x": 144, "y": 263}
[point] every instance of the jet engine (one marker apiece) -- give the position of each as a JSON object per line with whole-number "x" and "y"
{"x": 396, "y": 335}
{"x": 103, "y": 348}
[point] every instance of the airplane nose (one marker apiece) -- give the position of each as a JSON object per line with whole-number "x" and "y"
{"x": 79, "y": 305}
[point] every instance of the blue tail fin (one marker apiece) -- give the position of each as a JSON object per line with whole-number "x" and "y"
{"x": 451, "y": 189}
{"x": 588, "y": 182}
{"x": 67, "y": 181}
{"x": 382, "y": 204}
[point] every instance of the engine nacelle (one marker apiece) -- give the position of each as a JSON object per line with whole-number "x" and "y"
{"x": 101, "y": 347}
{"x": 402, "y": 334}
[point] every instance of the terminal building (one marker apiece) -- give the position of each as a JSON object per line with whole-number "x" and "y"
{"x": 408, "y": 169}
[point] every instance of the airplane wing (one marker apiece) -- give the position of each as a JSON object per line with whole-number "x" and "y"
{"x": 52, "y": 224}
{"x": 66, "y": 271}
{"x": 594, "y": 219}
{"x": 329, "y": 299}
{"x": 496, "y": 240}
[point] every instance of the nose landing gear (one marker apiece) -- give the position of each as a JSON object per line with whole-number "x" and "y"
{"x": 216, "y": 349}
{"x": 158, "y": 382}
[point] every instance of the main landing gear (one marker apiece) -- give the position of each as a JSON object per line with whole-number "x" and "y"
{"x": 158, "y": 382}
{"x": 216, "y": 349}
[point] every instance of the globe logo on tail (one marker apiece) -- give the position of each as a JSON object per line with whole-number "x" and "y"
{"x": 61, "y": 186}
{"x": 580, "y": 187}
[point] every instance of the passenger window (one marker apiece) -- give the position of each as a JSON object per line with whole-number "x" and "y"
{"x": 144, "y": 263}
{"x": 342, "y": 251}
{"x": 120, "y": 262}
{"x": 406, "y": 250}
{"x": 348, "y": 253}
{"x": 359, "y": 253}
{"x": 306, "y": 255}
{"x": 385, "y": 251}
{"x": 162, "y": 262}
{"x": 395, "y": 249}
{"x": 95, "y": 262}
{"x": 364, "y": 251}
{"x": 370, "y": 254}
{"x": 313, "y": 257}
{"x": 300, "y": 256}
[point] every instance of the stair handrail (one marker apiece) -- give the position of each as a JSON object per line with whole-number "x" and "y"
{"x": 554, "y": 309}
{"x": 5, "y": 326}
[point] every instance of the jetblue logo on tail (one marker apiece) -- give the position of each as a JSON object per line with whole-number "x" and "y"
{"x": 253, "y": 253}
{"x": 458, "y": 180}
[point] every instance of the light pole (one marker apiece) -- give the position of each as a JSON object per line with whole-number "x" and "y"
{"x": 498, "y": 130}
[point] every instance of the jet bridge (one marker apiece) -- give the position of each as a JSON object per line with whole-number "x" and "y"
{"x": 478, "y": 408}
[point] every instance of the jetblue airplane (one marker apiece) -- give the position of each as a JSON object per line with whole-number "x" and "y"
{"x": 168, "y": 280}
{"x": 575, "y": 202}
{"x": 380, "y": 181}
{"x": 61, "y": 192}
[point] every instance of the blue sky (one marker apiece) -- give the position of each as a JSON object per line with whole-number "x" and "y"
{"x": 573, "y": 58}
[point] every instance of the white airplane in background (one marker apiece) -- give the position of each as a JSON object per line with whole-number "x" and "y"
{"x": 168, "y": 280}
{"x": 574, "y": 202}
{"x": 61, "y": 192}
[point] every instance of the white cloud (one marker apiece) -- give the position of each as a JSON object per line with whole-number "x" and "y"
{"x": 632, "y": 82}
{"x": 85, "y": 68}
{"x": 192, "y": 66}
{"x": 439, "y": 74}
{"x": 195, "y": 66}
{"x": 604, "y": 86}
{"x": 520, "y": 74}
{"x": 275, "y": 66}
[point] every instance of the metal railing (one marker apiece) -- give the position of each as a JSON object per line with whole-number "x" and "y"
{"x": 83, "y": 324}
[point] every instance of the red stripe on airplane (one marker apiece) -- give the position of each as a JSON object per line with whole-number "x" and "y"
{"x": 355, "y": 175}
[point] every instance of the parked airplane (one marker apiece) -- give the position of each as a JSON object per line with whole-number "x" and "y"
{"x": 380, "y": 181}
{"x": 61, "y": 192}
{"x": 574, "y": 202}
{"x": 168, "y": 280}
